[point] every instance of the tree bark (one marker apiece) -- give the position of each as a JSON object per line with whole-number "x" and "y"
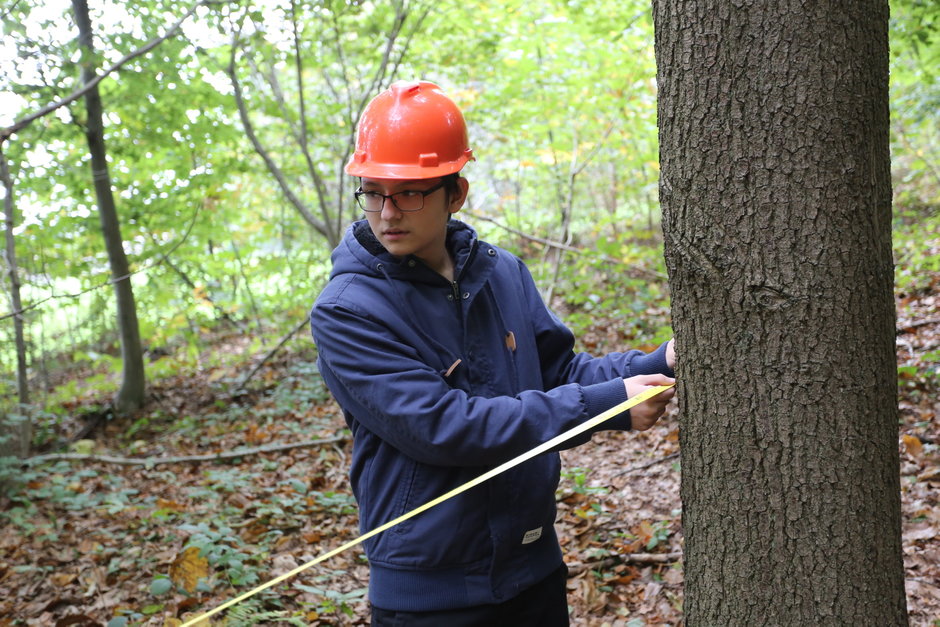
{"x": 130, "y": 397}
{"x": 776, "y": 197}
{"x": 16, "y": 428}
{"x": 22, "y": 379}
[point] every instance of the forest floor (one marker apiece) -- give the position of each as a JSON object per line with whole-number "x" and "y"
{"x": 96, "y": 543}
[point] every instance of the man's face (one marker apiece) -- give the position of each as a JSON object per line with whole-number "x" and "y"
{"x": 420, "y": 233}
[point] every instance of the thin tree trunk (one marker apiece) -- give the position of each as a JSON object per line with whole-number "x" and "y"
{"x": 776, "y": 197}
{"x": 16, "y": 429}
{"x": 131, "y": 394}
{"x": 22, "y": 380}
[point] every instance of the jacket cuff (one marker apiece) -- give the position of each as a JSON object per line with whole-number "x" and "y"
{"x": 600, "y": 397}
{"x": 652, "y": 363}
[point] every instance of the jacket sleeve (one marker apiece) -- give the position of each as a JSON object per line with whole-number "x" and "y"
{"x": 382, "y": 383}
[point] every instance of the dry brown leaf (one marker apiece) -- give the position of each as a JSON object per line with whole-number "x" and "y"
{"x": 171, "y": 505}
{"x": 913, "y": 445}
{"x": 312, "y": 537}
{"x": 188, "y": 568}
{"x": 62, "y": 579}
{"x": 86, "y": 546}
{"x": 931, "y": 474}
{"x": 644, "y": 532}
{"x": 922, "y": 531}
{"x": 254, "y": 531}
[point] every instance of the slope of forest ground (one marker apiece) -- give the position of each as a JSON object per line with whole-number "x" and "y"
{"x": 101, "y": 543}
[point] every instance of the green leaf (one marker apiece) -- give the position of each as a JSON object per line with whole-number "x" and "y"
{"x": 160, "y": 586}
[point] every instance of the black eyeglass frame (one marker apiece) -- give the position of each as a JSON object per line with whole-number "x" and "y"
{"x": 359, "y": 193}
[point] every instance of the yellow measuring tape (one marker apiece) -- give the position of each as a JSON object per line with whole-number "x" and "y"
{"x": 538, "y": 450}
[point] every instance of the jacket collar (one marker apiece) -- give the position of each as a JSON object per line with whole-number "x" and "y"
{"x": 361, "y": 253}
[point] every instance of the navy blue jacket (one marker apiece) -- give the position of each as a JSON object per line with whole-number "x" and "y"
{"x": 440, "y": 381}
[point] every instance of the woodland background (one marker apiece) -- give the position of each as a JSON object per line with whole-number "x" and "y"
{"x": 225, "y": 143}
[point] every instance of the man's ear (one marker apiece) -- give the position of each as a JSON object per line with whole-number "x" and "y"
{"x": 460, "y": 197}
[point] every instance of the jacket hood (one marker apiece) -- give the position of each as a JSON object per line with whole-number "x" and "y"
{"x": 361, "y": 253}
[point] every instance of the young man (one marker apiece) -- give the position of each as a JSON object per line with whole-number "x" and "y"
{"x": 446, "y": 362}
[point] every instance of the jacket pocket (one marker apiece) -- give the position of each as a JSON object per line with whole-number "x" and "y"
{"x": 403, "y": 496}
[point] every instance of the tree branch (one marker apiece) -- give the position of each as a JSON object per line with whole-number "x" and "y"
{"x": 576, "y": 568}
{"x": 638, "y": 272}
{"x": 156, "y": 461}
{"x": 627, "y": 471}
{"x": 907, "y": 328}
{"x": 302, "y": 133}
{"x": 7, "y": 132}
{"x": 9, "y": 11}
{"x": 241, "y": 386}
{"x": 262, "y": 151}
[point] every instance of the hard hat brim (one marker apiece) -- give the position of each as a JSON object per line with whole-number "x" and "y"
{"x": 373, "y": 170}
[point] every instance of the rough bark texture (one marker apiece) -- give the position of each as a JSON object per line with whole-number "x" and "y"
{"x": 776, "y": 197}
{"x": 131, "y": 394}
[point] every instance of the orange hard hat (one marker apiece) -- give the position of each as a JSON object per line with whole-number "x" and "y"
{"x": 410, "y": 131}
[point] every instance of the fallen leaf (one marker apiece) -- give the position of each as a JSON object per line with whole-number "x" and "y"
{"x": 170, "y": 505}
{"x": 77, "y": 619}
{"x": 913, "y": 445}
{"x": 188, "y": 568}
{"x": 62, "y": 579}
{"x": 644, "y": 532}
{"x": 282, "y": 564}
{"x": 88, "y": 546}
{"x": 920, "y": 532}
{"x": 238, "y": 500}
{"x": 254, "y": 531}
{"x": 932, "y": 473}
{"x": 83, "y": 447}
{"x": 625, "y": 578}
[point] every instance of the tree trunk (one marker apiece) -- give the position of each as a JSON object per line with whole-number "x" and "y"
{"x": 131, "y": 395}
{"x": 15, "y": 429}
{"x": 776, "y": 197}
{"x": 22, "y": 380}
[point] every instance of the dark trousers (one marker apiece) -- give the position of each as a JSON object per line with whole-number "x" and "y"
{"x": 543, "y": 605}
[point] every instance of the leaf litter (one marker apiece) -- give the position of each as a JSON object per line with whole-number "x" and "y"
{"x": 100, "y": 544}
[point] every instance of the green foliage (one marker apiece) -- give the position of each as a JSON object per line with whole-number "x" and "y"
{"x": 660, "y": 534}
{"x": 623, "y": 281}
{"x": 916, "y": 246}
{"x": 578, "y": 479}
{"x": 253, "y": 612}
{"x": 331, "y": 601}
{"x": 161, "y": 585}
{"x": 915, "y": 101}
{"x": 225, "y": 551}
{"x": 561, "y": 102}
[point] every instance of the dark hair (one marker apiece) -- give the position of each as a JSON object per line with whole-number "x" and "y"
{"x": 450, "y": 184}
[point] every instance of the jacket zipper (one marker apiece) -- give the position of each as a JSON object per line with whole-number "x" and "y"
{"x": 455, "y": 289}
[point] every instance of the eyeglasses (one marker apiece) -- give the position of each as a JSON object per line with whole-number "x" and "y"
{"x": 406, "y": 201}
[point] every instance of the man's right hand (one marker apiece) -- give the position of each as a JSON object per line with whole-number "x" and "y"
{"x": 645, "y": 415}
